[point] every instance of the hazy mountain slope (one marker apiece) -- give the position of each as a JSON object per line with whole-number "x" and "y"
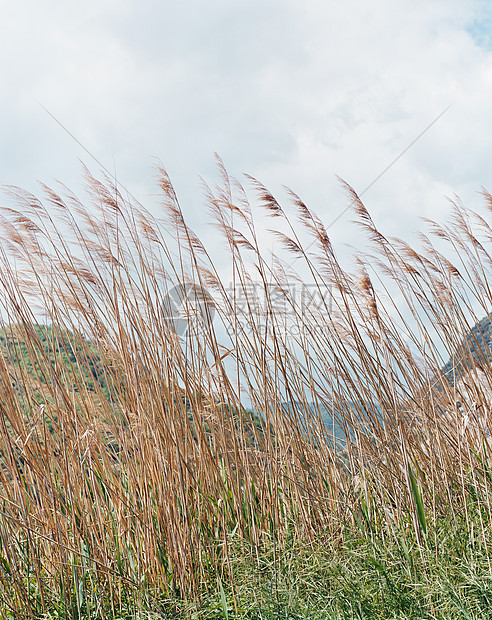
{"x": 476, "y": 346}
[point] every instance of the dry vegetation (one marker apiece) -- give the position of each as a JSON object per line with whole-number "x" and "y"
{"x": 169, "y": 489}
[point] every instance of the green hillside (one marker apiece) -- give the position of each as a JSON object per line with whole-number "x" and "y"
{"x": 44, "y": 356}
{"x": 39, "y": 360}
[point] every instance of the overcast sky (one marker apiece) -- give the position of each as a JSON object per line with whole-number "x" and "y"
{"x": 292, "y": 92}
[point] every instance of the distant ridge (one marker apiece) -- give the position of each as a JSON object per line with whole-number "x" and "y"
{"x": 476, "y": 346}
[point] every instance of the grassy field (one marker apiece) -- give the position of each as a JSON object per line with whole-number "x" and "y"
{"x": 252, "y": 455}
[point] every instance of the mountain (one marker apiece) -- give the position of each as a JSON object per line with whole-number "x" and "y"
{"x": 40, "y": 356}
{"x": 475, "y": 350}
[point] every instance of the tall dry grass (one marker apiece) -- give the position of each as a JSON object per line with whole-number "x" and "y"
{"x": 146, "y": 491}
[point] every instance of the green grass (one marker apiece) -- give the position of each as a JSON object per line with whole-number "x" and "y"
{"x": 372, "y": 572}
{"x": 134, "y": 481}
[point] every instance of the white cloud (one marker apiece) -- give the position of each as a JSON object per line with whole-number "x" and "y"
{"x": 292, "y": 93}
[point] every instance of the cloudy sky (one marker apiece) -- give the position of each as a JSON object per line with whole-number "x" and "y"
{"x": 294, "y": 93}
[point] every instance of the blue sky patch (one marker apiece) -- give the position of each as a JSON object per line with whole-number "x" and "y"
{"x": 481, "y": 28}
